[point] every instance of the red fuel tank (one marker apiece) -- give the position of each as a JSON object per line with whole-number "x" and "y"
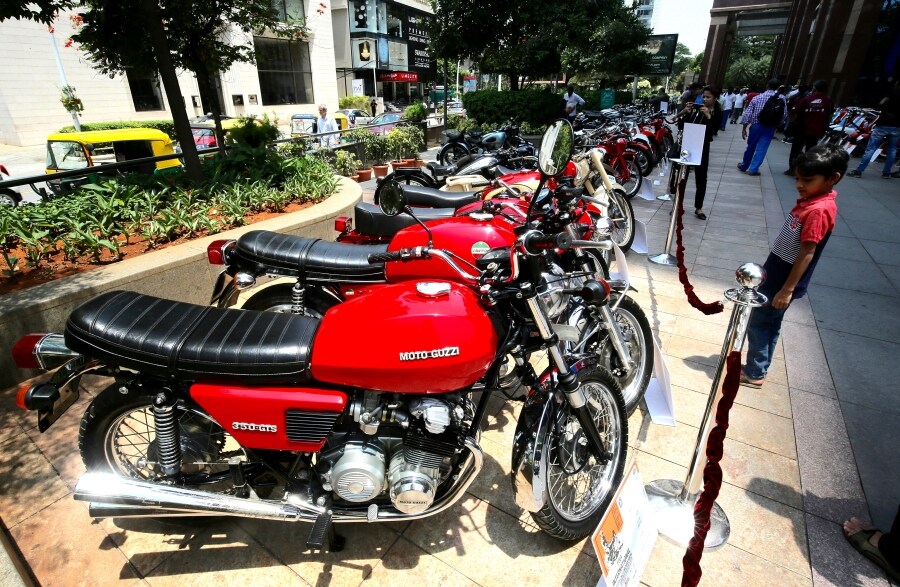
{"x": 463, "y": 236}
{"x": 414, "y": 337}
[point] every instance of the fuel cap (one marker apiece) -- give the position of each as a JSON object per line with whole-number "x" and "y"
{"x": 433, "y": 289}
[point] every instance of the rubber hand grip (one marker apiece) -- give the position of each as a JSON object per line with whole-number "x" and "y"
{"x": 384, "y": 257}
{"x": 537, "y": 242}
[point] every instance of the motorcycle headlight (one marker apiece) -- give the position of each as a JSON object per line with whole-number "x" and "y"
{"x": 551, "y": 287}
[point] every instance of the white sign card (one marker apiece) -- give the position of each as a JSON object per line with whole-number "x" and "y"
{"x": 639, "y": 244}
{"x": 692, "y": 141}
{"x": 359, "y": 86}
{"x": 626, "y": 535}
{"x": 647, "y": 191}
{"x": 658, "y": 397}
{"x": 619, "y": 266}
{"x": 664, "y": 106}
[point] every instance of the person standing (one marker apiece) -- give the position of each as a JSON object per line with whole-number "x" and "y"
{"x": 739, "y": 100}
{"x": 691, "y": 94}
{"x": 709, "y": 114}
{"x": 810, "y": 117}
{"x": 326, "y": 123}
{"x": 730, "y": 98}
{"x": 374, "y": 105}
{"x": 794, "y": 255}
{"x": 887, "y": 127}
{"x": 762, "y": 123}
{"x": 573, "y": 100}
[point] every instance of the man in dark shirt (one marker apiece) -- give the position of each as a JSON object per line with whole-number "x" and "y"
{"x": 810, "y": 116}
{"x": 886, "y": 128}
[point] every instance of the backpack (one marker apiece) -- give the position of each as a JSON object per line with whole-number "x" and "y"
{"x": 773, "y": 112}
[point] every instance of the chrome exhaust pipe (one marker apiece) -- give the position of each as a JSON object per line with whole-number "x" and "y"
{"x": 112, "y": 496}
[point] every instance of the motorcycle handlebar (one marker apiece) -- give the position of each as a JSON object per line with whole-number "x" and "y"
{"x": 534, "y": 242}
{"x": 385, "y": 257}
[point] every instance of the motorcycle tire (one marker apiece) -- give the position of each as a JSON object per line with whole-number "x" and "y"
{"x": 622, "y": 214}
{"x": 117, "y": 435}
{"x": 451, "y": 152}
{"x": 645, "y": 161}
{"x": 567, "y": 514}
{"x": 277, "y": 298}
{"x": 633, "y": 185}
{"x": 403, "y": 179}
{"x": 638, "y": 337}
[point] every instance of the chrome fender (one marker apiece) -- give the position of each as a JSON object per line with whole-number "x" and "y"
{"x": 530, "y": 451}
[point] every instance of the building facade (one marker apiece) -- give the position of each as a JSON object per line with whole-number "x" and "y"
{"x": 287, "y": 78}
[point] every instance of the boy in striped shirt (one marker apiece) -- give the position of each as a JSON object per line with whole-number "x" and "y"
{"x": 796, "y": 251}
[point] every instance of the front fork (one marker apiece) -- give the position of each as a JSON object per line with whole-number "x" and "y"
{"x": 568, "y": 381}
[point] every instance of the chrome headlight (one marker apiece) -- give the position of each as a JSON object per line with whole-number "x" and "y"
{"x": 553, "y": 282}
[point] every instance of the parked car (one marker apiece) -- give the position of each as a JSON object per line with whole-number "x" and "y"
{"x": 455, "y": 107}
{"x": 8, "y": 196}
{"x": 385, "y": 118}
{"x": 357, "y": 117}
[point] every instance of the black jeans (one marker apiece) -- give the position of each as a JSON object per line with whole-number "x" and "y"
{"x": 800, "y": 144}
{"x": 700, "y": 173}
{"x": 889, "y": 545}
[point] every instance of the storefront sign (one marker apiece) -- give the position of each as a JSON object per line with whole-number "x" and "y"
{"x": 626, "y": 534}
{"x": 662, "y": 54}
{"x": 417, "y": 41}
{"x": 359, "y": 87}
{"x": 399, "y": 76}
{"x": 363, "y": 54}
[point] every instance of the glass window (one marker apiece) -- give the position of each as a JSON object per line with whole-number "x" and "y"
{"x": 65, "y": 155}
{"x": 144, "y": 91}
{"x": 288, "y": 9}
{"x": 285, "y": 75}
{"x": 395, "y": 19}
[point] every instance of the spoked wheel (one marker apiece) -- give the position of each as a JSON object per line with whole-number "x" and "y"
{"x": 578, "y": 484}
{"x": 633, "y": 184}
{"x": 636, "y": 335}
{"x": 403, "y": 179}
{"x": 452, "y": 154}
{"x": 645, "y": 161}
{"x": 118, "y": 435}
{"x": 622, "y": 214}
{"x": 277, "y": 298}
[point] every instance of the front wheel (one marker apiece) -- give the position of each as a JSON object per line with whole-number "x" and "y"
{"x": 628, "y": 175}
{"x": 638, "y": 342}
{"x": 622, "y": 214}
{"x": 451, "y": 153}
{"x": 578, "y": 485}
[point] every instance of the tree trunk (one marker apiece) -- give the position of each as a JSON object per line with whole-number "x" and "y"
{"x": 513, "y": 80}
{"x": 173, "y": 91}
{"x": 211, "y": 98}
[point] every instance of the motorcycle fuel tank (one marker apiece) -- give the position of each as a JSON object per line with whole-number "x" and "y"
{"x": 414, "y": 337}
{"x": 463, "y": 236}
{"x": 493, "y": 140}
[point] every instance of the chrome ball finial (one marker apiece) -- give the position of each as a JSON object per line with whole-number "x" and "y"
{"x": 685, "y": 155}
{"x": 750, "y": 275}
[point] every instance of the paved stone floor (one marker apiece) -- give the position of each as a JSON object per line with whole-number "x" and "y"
{"x": 809, "y": 449}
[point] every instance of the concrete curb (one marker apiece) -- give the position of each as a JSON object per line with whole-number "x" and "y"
{"x": 181, "y": 272}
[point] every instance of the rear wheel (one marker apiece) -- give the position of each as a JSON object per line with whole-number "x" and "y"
{"x": 645, "y": 161}
{"x": 402, "y": 179}
{"x": 451, "y": 153}
{"x": 578, "y": 485}
{"x": 622, "y": 214}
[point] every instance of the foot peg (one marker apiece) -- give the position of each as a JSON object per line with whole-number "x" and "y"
{"x": 323, "y": 532}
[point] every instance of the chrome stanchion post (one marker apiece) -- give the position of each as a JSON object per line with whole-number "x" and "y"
{"x": 674, "y": 500}
{"x": 666, "y": 258}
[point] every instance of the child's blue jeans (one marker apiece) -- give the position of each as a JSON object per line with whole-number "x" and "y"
{"x": 762, "y": 335}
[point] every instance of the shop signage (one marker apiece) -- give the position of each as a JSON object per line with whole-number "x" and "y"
{"x": 607, "y": 98}
{"x": 359, "y": 87}
{"x": 626, "y": 535}
{"x": 662, "y": 54}
{"x": 363, "y": 54}
{"x": 417, "y": 41}
{"x": 399, "y": 76}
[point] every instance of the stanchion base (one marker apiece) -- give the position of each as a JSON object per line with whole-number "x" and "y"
{"x": 664, "y": 198}
{"x": 663, "y": 259}
{"x": 675, "y": 518}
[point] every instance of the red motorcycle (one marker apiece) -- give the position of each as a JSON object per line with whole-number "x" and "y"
{"x": 279, "y": 416}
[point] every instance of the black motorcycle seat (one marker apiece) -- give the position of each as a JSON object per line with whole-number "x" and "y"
{"x": 185, "y": 341}
{"x": 371, "y": 220}
{"x": 475, "y": 134}
{"x": 441, "y": 170}
{"x": 435, "y": 198}
{"x": 264, "y": 252}
{"x": 593, "y": 113}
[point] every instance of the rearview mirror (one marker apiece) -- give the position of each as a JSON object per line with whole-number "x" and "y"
{"x": 557, "y": 147}
{"x": 392, "y": 199}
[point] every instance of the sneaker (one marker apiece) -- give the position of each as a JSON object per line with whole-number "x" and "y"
{"x": 854, "y": 173}
{"x": 741, "y": 169}
{"x": 885, "y": 176}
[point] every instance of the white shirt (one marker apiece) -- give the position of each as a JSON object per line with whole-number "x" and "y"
{"x": 739, "y": 100}
{"x": 729, "y": 101}
{"x": 327, "y": 124}
{"x": 573, "y": 100}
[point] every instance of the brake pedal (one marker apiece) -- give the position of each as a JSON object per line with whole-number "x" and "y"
{"x": 322, "y": 533}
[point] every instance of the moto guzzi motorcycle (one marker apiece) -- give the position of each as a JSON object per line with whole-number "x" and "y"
{"x": 279, "y": 416}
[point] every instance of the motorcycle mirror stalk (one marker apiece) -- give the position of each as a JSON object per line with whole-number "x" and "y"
{"x": 393, "y": 201}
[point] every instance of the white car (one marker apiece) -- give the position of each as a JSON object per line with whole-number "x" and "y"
{"x": 357, "y": 117}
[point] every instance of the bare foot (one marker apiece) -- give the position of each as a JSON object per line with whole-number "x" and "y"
{"x": 855, "y": 525}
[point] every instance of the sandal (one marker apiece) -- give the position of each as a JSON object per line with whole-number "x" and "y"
{"x": 757, "y": 383}
{"x": 860, "y": 541}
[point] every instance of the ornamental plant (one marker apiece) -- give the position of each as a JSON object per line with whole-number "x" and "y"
{"x": 70, "y": 101}
{"x": 345, "y": 163}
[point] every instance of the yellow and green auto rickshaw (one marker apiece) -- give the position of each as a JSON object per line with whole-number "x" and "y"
{"x": 302, "y": 124}
{"x": 83, "y": 150}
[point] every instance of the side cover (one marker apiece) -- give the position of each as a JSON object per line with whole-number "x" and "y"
{"x": 411, "y": 337}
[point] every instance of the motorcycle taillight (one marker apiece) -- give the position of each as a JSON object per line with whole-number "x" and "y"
{"x": 23, "y": 352}
{"x": 343, "y": 224}
{"x": 217, "y": 251}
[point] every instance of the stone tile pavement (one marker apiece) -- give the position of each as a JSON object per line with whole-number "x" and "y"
{"x": 809, "y": 449}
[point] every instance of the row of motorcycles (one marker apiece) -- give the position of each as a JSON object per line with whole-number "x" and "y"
{"x": 357, "y": 392}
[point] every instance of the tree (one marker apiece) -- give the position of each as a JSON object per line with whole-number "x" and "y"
{"x": 204, "y": 37}
{"x": 748, "y": 72}
{"x": 37, "y": 10}
{"x": 604, "y": 40}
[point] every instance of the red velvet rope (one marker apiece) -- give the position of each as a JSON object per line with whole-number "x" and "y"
{"x": 712, "y": 473}
{"x": 713, "y": 308}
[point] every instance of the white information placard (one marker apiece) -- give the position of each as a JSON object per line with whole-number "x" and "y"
{"x": 626, "y": 535}
{"x": 639, "y": 245}
{"x": 664, "y": 106}
{"x": 658, "y": 397}
{"x": 692, "y": 141}
{"x": 647, "y": 191}
{"x": 619, "y": 266}
{"x": 359, "y": 88}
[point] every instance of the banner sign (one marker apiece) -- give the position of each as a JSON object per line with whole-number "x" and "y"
{"x": 662, "y": 54}
{"x": 399, "y": 76}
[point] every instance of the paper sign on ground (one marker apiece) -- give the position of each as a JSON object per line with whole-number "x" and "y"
{"x": 639, "y": 244}
{"x": 647, "y": 191}
{"x": 659, "y": 400}
{"x": 619, "y": 267}
{"x": 626, "y": 535}
{"x": 692, "y": 141}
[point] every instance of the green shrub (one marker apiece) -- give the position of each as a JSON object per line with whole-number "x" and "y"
{"x": 252, "y": 132}
{"x": 358, "y": 102}
{"x": 345, "y": 163}
{"x": 416, "y": 112}
{"x": 493, "y": 108}
{"x": 167, "y": 126}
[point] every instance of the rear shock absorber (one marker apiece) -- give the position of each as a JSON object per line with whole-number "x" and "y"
{"x": 168, "y": 441}
{"x": 298, "y": 299}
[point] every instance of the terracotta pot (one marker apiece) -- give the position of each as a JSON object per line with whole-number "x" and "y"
{"x": 380, "y": 170}
{"x": 355, "y": 178}
{"x": 364, "y": 174}
{"x": 402, "y": 163}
